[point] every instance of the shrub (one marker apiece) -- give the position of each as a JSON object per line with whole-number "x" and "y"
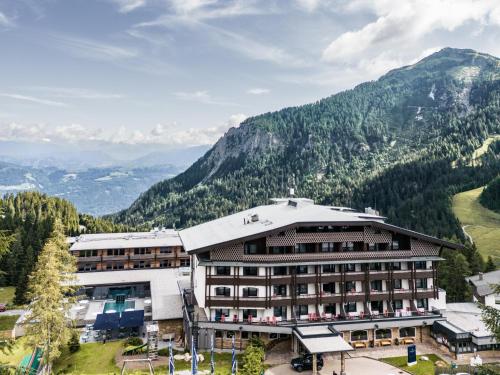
{"x": 253, "y": 360}
{"x": 133, "y": 341}
{"x": 74, "y": 341}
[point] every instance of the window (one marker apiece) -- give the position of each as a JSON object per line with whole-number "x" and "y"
{"x": 407, "y": 332}
{"x": 86, "y": 267}
{"x": 164, "y": 263}
{"x": 422, "y": 265}
{"x": 301, "y": 289}
{"x": 115, "y": 252}
{"x": 222, "y": 291}
{"x": 359, "y": 335}
{"x": 328, "y": 268}
{"x": 114, "y": 266}
{"x": 279, "y": 271}
{"x": 330, "y": 309}
{"x": 421, "y": 283}
{"x": 375, "y": 266}
{"x": 142, "y": 251}
{"x": 329, "y": 288}
{"x": 244, "y": 335}
{"x": 372, "y": 247}
{"x": 383, "y": 334}
{"x": 397, "y": 304}
{"x": 279, "y": 290}
{"x": 350, "y": 267}
{"x": 249, "y": 313}
{"x": 395, "y": 245}
{"x": 350, "y": 286}
{"x": 397, "y": 284}
{"x": 280, "y": 311}
{"x": 273, "y": 336}
{"x": 305, "y": 248}
{"x": 221, "y": 312}
{"x": 280, "y": 250}
{"x": 87, "y": 253}
{"x": 142, "y": 264}
{"x": 230, "y": 334}
{"x": 376, "y": 285}
{"x": 396, "y": 266}
{"x": 255, "y": 247}
{"x": 223, "y": 270}
{"x": 377, "y": 307}
{"x": 350, "y": 307}
{"x": 327, "y": 247}
{"x": 347, "y": 246}
{"x": 165, "y": 250}
{"x": 218, "y": 334}
{"x": 302, "y": 310}
{"x": 301, "y": 270}
{"x": 423, "y": 303}
{"x": 250, "y": 271}
{"x": 185, "y": 262}
{"x": 250, "y": 292}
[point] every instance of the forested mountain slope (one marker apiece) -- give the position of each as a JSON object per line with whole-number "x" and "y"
{"x": 402, "y": 143}
{"x": 490, "y": 197}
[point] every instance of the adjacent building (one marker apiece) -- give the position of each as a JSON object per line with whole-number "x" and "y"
{"x": 160, "y": 248}
{"x": 482, "y": 288}
{"x": 270, "y": 269}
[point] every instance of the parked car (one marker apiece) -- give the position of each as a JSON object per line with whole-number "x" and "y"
{"x": 3, "y": 307}
{"x": 305, "y": 362}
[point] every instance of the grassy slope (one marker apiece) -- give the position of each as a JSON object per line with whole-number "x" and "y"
{"x": 421, "y": 368}
{"x": 7, "y": 322}
{"x": 482, "y": 224}
{"x": 6, "y": 294}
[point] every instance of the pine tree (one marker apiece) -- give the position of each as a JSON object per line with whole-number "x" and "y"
{"x": 490, "y": 265}
{"x": 50, "y": 289}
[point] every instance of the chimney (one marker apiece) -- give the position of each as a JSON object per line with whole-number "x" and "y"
{"x": 292, "y": 192}
{"x": 480, "y": 274}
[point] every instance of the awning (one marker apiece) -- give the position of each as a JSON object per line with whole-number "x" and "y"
{"x": 131, "y": 319}
{"x": 321, "y": 339}
{"x": 107, "y": 321}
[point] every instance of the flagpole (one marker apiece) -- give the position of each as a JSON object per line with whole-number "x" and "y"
{"x": 171, "y": 363}
{"x": 212, "y": 362}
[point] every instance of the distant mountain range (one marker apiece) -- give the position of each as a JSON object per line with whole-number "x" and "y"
{"x": 403, "y": 144}
{"x": 108, "y": 187}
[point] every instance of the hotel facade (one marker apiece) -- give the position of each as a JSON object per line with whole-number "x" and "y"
{"x": 272, "y": 270}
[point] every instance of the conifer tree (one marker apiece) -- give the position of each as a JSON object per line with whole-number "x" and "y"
{"x": 490, "y": 265}
{"x": 51, "y": 286}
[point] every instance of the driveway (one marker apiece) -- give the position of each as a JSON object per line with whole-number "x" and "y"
{"x": 12, "y": 312}
{"x": 354, "y": 366}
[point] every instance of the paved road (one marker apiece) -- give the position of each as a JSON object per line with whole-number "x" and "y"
{"x": 354, "y": 366}
{"x": 12, "y": 312}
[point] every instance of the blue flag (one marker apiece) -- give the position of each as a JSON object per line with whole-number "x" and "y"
{"x": 171, "y": 364}
{"x": 212, "y": 361}
{"x": 194, "y": 358}
{"x": 233, "y": 363}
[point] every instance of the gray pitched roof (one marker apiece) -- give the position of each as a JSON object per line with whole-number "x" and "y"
{"x": 483, "y": 286}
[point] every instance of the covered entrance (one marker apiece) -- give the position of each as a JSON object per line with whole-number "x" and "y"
{"x": 321, "y": 339}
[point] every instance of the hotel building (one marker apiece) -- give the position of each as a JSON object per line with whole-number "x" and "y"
{"x": 272, "y": 270}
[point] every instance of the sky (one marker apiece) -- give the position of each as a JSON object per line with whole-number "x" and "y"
{"x": 181, "y": 72}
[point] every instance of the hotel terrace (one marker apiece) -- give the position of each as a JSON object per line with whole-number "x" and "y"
{"x": 272, "y": 270}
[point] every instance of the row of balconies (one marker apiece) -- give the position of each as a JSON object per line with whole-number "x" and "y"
{"x": 131, "y": 257}
{"x": 325, "y": 298}
{"x": 312, "y": 278}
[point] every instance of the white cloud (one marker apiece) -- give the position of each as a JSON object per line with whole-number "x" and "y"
{"x": 403, "y": 22}
{"x": 92, "y": 49}
{"x": 172, "y": 134}
{"x": 201, "y": 96}
{"x": 74, "y": 92}
{"x": 308, "y": 5}
{"x": 33, "y": 99}
{"x": 5, "y": 21}
{"x": 125, "y": 6}
{"x": 258, "y": 91}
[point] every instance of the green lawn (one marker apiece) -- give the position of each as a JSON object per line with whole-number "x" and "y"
{"x": 482, "y": 224}
{"x": 7, "y": 294}
{"x": 421, "y": 368}
{"x": 7, "y": 322}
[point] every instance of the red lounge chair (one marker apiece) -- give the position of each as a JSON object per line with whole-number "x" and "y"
{"x": 361, "y": 314}
{"x": 274, "y": 320}
{"x": 250, "y": 319}
{"x": 222, "y": 318}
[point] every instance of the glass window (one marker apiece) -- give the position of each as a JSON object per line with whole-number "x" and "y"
{"x": 421, "y": 283}
{"x": 244, "y": 335}
{"x": 165, "y": 250}
{"x": 347, "y": 246}
{"x": 279, "y": 271}
{"x": 423, "y": 303}
{"x": 222, "y": 291}
{"x": 376, "y": 266}
{"x": 376, "y": 285}
{"x": 249, "y": 313}
{"x": 350, "y": 307}
{"x": 422, "y": 265}
{"x": 328, "y": 268}
{"x": 223, "y": 270}
{"x": 395, "y": 245}
{"x": 397, "y": 284}
{"x": 327, "y": 247}
{"x": 372, "y": 247}
{"x": 221, "y": 312}
{"x": 397, "y": 304}
{"x": 350, "y": 286}
{"x": 301, "y": 270}
{"x": 359, "y": 335}
{"x": 383, "y": 334}
{"x": 280, "y": 250}
{"x": 350, "y": 267}
{"x": 407, "y": 332}
{"x": 250, "y": 292}
{"x": 250, "y": 271}
{"x": 279, "y": 290}
{"x": 164, "y": 263}
{"x": 329, "y": 288}
{"x": 396, "y": 266}
{"x": 280, "y": 311}
{"x": 301, "y": 289}
{"x": 185, "y": 262}
{"x": 305, "y": 248}
{"x": 230, "y": 334}
{"x": 302, "y": 310}
{"x": 330, "y": 309}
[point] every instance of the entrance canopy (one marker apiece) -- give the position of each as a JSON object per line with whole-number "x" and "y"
{"x": 321, "y": 339}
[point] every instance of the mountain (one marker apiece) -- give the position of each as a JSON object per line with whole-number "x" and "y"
{"x": 490, "y": 196}
{"x": 403, "y": 144}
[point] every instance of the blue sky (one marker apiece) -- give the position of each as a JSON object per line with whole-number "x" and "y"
{"x": 177, "y": 72}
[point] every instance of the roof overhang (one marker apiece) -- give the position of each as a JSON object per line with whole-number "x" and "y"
{"x": 321, "y": 339}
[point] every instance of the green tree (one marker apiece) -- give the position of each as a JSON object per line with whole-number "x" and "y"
{"x": 490, "y": 265}
{"x": 50, "y": 288}
{"x": 253, "y": 360}
{"x": 491, "y": 316}
{"x": 452, "y": 276}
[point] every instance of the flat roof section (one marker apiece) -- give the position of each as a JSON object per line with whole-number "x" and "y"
{"x": 166, "y": 298}
{"x": 320, "y": 339}
{"x": 102, "y": 241}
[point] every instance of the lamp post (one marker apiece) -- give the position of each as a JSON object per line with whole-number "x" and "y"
{"x": 241, "y": 338}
